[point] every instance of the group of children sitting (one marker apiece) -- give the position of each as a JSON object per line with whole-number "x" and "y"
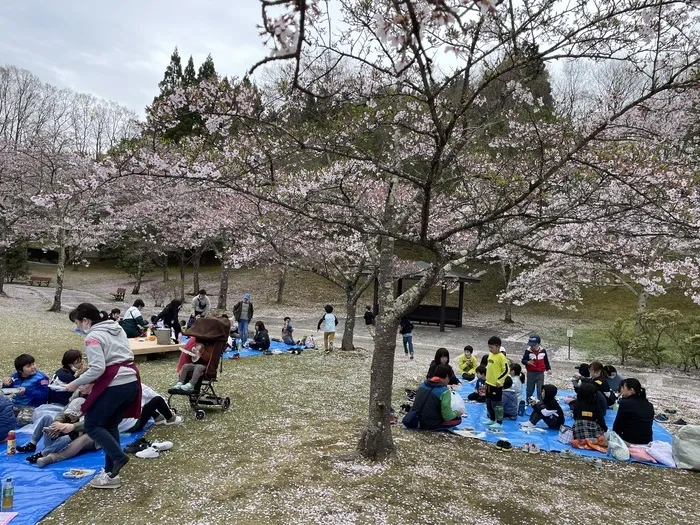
{"x": 499, "y": 382}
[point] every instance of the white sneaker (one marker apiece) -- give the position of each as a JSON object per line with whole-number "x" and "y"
{"x": 160, "y": 420}
{"x": 527, "y": 424}
{"x": 176, "y": 421}
{"x": 104, "y": 481}
{"x": 148, "y": 453}
{"x": 534, "y": 449}
{"x": 162, "y": 446}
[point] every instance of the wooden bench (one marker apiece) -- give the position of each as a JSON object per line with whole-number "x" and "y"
{"x": 39, "y": 280}
{"x": 142, "y": 349}
{"x": 119, "y": 296}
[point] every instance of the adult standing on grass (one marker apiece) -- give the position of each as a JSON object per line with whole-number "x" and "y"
{"x": 115, "y": 391}
{"x": 536, "y": 362}
{"x": 243, "y": 313}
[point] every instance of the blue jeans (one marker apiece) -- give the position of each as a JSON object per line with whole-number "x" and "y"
{"x": 408, "y": 343}
{"x": 243, "y": 330}
{"x": 103, "y": 418}
{"x": 50, "y": 444}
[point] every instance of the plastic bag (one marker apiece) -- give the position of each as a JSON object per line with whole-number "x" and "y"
{"x": 662, "y": 452}
{"x": 566, "y": 434}
{"x": 309, "y": 342}
{"x": 686, "y": 447}
{"x": 458, "y": 403}
{"x": 617, "y": 448}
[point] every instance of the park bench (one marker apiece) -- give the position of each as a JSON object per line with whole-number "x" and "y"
{"x": 119, "y": 296}
{"x": 39, "y": 280}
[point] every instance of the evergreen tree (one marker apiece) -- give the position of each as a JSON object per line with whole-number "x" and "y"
{"x": 190, "y": 74}
{"x": 173, "y": 74}
{"x": 207, "y": 69}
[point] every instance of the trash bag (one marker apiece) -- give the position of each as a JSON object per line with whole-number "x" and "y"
{"x": 617, "y": 448}
{"x": 458, "y": 403}
{"x": 686, "y": 447}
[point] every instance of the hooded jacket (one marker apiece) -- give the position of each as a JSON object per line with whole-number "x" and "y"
{"x": 434, "y": 405}
{"x": 106, "y": 344}
{"x": 541, "y": 361}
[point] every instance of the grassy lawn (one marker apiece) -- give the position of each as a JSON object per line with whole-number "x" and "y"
{"x": 277, "y": 455}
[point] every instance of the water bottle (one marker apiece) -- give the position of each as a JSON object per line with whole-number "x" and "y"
{"x": 11, "y": 443}
{"x": 8, "y": 494}
{"x": 521, "y": 408}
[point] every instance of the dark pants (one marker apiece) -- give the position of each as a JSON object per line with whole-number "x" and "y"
{"x": 552, "y": 421}
{"x": 468, "y": 377}
{"x": 103, "y": 418}
{"x": 474, "y": 396}
{"x": 494, "y": 403}
{"x": 535, "y": 382}
{"x": 155, "y": 406}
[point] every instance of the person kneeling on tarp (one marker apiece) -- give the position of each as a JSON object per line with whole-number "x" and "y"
{"x": 434, "y": 401}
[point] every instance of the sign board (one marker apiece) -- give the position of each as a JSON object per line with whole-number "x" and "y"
{"x": 569, "y": 332}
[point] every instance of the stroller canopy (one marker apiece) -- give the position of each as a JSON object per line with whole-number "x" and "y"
{"x": 210, "y": 329}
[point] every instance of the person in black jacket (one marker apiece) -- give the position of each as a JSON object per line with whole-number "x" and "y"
{"x": 261, "y": 340}
{"x": 635, "y": 415}
{"x": 442, "y": 357}
{"x": 71, "y": 367}
{"x": 169, "y": 317}
{"x": 599, "y": 379}
{"x": 589, "y": 416}
{"x": 547, "y": 410}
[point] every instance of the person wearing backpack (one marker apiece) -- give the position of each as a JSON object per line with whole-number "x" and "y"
{"x": 406, "y": 331}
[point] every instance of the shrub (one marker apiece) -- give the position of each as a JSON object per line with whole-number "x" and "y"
{"x": 621, "y": 334}
{"x": 16, "y": 264}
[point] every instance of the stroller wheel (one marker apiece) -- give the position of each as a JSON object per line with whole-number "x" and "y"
{"x": 199, "y": 414}
{"x": 226, "y": 404}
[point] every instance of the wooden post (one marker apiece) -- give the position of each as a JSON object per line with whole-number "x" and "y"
{"x": 461, "y": 303}
{"x": 443, "y": 304}
{"x": 399, "y": 287}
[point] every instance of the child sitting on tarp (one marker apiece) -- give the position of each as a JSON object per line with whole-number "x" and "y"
{"x": 479, "y": 394}
{"x": 510, "y": 400}
{"x": 589, "y": 419}
{"x": 287, "y": 331}
{"x": 191, "y": 366}
{"x": 466, "y": 364}
{"x": 33, "y": 388}
{"x": 547, "y": 410}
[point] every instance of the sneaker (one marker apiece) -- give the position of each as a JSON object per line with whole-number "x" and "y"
{"x": 24, "y": 449}
{"x": 176, "y": 420}
{"x": 496, "y": 426}
{"x": 187, "y": 387}
{"x": 34, "y": 458}
{"x": 671, "y": 411}
{"x": 499, "y": 444}
{"x": 162, "y": 446}
{"x": 487, "y": 422}
{"x": 160, "y": 420}
{"x": 593, "y": 462}
{"x": 534, "y": 449}
{"x": 149, "y": 453}
{"x": 526, "y": 425}
{"x": 526, "y": 447}
{"x": 661, "y": 418}
{"x": 137, "y": 446}
{"x": 506, "y": 446}
{"x": 178, "y": 385}
{"x": 680, "y": 422}
{"x": 405, "y": 352}
{"x": 105, "y": 481}
{"x": 411, "y": 356}
{"x": 567, "y": 454}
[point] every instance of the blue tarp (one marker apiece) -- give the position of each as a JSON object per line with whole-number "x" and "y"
{"x": 40, "y": 490}
{"x": 274, "y": 345}
{"x": 545, "y": 439}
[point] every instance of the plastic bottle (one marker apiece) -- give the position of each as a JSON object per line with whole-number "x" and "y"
{"x": 8, "y": 494}
{"x": 11, "y": 443}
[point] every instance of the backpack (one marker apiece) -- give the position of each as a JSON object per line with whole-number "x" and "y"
{"x": 309, "y": 341}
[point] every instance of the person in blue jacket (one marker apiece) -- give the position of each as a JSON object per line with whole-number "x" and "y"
{"x": 7, "y": 418}
{"x": 33, "y": 385}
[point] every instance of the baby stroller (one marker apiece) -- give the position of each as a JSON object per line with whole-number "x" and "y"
{"x": 212, "y": 333}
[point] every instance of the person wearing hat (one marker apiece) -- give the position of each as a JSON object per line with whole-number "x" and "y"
{"x": 243, "y": 313}
{"x": 536, "y": 363}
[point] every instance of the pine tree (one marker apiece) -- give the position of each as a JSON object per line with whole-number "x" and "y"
{"x": 173, "y": 74}
{"x": 190, "y": 74}
{"x": 207, "y": 69}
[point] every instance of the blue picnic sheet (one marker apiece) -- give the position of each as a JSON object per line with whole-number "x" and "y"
{"x": 274, "y": 346}
{"x": 40, "y": 490}
{"x": 545, "y": 439}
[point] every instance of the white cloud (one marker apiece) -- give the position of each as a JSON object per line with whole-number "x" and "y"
{"x": 119, "y": 50}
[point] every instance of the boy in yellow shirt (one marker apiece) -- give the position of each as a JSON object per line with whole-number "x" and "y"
{"x": 496, "y": 373}
{"x": 466, "y": 364}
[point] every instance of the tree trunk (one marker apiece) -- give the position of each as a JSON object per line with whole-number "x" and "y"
{"x": 281, "y": 282}
{"x": 183, "y": 265}
{"x": 349, "y": 330}
{"x": 642, "y": 300}
{"x": 223, "y": 284}
{"x": 139, "y": 277}
{"x": 166, "y": 277}
{"x": 508, "y": 318}
{"x": 376, "y": 441}
{"x": 3, "y": 255}
{"x": 60, "y": 271}
{"x": 195, "y": 269}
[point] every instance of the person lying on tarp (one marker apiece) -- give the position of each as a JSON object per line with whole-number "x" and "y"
{"x": 434, "y": 401}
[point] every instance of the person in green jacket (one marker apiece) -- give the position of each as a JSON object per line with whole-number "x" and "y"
{"x": 133, "y": 323}
{"x": 434, "y": 401}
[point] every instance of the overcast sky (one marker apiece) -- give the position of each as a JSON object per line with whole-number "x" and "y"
{"x": 118, "y": 50}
